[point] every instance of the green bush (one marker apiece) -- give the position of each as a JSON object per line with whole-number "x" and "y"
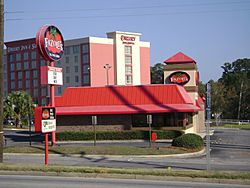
{"x": 190, "y": 141}
{"x": 116, "y": 135}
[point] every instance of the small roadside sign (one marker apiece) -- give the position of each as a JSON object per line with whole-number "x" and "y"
{"x": 48, "y": 119}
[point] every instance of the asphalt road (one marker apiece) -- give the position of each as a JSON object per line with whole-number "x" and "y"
{"x": 10, "y": 181}
{"x": 230, "y": 150}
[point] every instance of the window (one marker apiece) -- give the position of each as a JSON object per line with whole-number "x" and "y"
{"x": 128, "y": 49}
{"x": 85, "y": 48}
{"x": 19, "y": 75}
{"x": 76, "y": 79}
{"x": 128, "y": 69}
{"x": 35, "y": 74}
{"x": 27, "y": 74}
{"x": 35, "y": 83}
{"x": 76, "y": 59}
{"x": 128, "y": 79}
{"x": 86, "y": 79}
{"x": 76, "y": 49}
{"x": 128, "y": 60}
{"x": 27, "y": 84}
{"x": 67, "y": 79}
{"x": 12, "y": 57}
{"x": 35, "y": 92}
{"x": 12, "y": 75}
{"x": 20, "y": 84}
{"x": 25, "y": 55}
{"x": 44, "y": 101}
{"x": 44, "y": 92}
{"x": 43, "y": 63}
{"x": 67, "y": 70}
{"x": 76, "y": 68}
{"x": 85, "y": 58}
{"x": 33, "y": 55}
{"x": 33, "y": 64}
{"x": 67, "y": 60}
{"x": 86, "y": 68}
{"x": 12, "y": 66}
{"x": 18, "y": 57}
{"x": 59, "y": 90}
{"x": 12, "y": 85}
{"x": 67, "y": 50}
{"x": 26, "y": 65}
{"x": 18, "y": 66}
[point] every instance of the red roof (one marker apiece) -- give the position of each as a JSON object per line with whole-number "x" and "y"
{"x": 124, "y": 100}
{"x": 179, "y": 58}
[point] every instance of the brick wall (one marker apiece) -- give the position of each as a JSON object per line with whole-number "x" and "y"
{"x": 104, "y": 122}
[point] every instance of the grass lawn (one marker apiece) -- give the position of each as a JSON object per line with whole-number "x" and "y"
{"x": 102, "y": 170}
{"x": 99, "y": 150}
{"x": 236, "y": 126}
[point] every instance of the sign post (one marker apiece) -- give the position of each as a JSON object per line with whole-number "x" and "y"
{"x": 94, "y": 123}
{"x": 50, "y": 44}
{"x": 208, "y": 119}
{"x": 149, "y": 121}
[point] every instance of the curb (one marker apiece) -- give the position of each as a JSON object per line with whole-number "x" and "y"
{"x": 194, "y": 154}
{"x": 129, "y": 176}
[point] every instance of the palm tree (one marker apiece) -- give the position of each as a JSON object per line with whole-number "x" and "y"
{"x": 18, "y": 105}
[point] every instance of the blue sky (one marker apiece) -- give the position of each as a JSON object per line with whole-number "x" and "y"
{"x": 211, "y": 32}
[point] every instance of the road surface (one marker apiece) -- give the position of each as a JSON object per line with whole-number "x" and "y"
{"x": 10, "y": 181}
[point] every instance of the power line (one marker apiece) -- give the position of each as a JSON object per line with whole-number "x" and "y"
{"x": 128, "y": 8}
{"x": 127, "y": 15}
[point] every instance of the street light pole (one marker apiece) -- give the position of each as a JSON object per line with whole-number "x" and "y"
{"x": 1, "y": 75}
{"x": 107, "y": 67}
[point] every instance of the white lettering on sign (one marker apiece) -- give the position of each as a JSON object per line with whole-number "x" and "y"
{"x": 22, "y": 48}
{"x": 53, "y": 43}
{"x": 48, "y": 125}
{"x": 55, "y": 76}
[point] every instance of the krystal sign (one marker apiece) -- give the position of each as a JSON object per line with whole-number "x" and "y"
{"x": 180, "y": 78}
{"x": 50, "y": 43}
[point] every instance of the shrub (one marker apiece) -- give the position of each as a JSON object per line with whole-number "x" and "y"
{"x": 190, "y": 141}
{"x": 117, "y": 135}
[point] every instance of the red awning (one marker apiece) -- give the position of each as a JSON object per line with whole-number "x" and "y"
{"x": 124, "y": 100}
{"x": 125, "y": 109}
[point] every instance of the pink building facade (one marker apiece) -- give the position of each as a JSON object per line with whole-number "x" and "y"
{"x": 119, "y": 59}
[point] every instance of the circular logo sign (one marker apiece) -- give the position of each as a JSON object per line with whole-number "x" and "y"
{"x": 180, "y": 78}
{"x": 45, "y": 114}
{"x": 50, "y": 43}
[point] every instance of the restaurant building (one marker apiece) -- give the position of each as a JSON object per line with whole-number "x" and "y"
{"x": 110, "y": 78}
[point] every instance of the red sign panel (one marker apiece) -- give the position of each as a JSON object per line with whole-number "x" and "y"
{"x": 180, "y": 78}
{"x": 50, "y": 43}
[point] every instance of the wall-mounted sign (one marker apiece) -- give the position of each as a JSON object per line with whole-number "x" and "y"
{"x": 179, "y": 77}
{"x": 21, "y": 48}
{"x": 127, "y": 39}
{"x": 51, "y": 75}
{"x": 48, "y": 119}
{"x": 50, "y": 43}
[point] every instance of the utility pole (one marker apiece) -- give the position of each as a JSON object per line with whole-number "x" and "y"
{"x": 239, "y": 108}
{"x": 1, "y": 75}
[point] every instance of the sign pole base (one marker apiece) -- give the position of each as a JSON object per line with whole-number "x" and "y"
{"x": 46, "y": 149}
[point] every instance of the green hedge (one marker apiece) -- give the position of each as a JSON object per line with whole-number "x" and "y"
{"x": 115, "y": 135}
{"x": 191, "y": 141}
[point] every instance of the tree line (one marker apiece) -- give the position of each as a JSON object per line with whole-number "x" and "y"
{"x": 230, "y": 94}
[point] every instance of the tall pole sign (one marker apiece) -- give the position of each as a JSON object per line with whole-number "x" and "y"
{"x": 50, "y": 44}
{"x": 208, "y": 119}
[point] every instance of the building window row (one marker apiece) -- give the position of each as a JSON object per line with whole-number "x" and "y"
{"x": 26, "y": 56}
{"x": 128, "y": 65}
